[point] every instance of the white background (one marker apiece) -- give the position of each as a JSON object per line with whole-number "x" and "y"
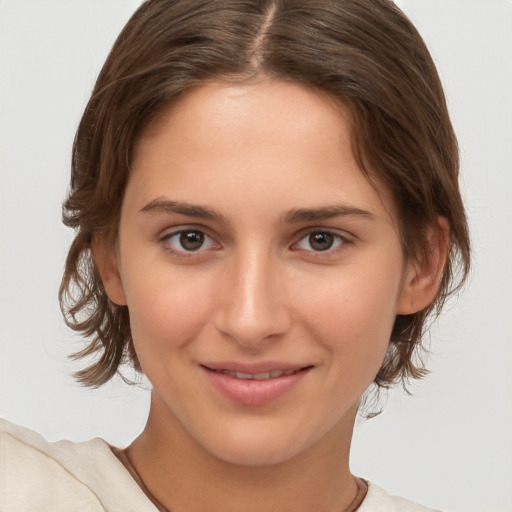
{"x": 449, "y": 446}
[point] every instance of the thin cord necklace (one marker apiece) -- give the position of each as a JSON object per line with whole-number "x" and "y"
{"x": 362, "y": 486}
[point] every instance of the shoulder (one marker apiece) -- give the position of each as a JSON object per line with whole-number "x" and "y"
{"x": 378, "y": 500}
{"x": 37, "y": 475}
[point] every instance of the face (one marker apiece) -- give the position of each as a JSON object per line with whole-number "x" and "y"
{"x": 262, "y": 271}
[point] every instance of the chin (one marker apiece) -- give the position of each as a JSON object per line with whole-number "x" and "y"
{"x": 255, "y": 456}
{"x": 258, "y": 447}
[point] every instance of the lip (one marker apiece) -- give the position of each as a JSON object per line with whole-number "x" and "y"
{"x": 262, "y": 367}
{"x": 254, "y": 392}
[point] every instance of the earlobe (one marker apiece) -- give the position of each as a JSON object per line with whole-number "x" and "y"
{"x": 106, "y": 260}
{"x": 423, "y": 277}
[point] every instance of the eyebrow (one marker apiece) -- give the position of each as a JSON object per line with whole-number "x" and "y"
{"x": 162, "y": 205}
{"x": 325, "y": 212}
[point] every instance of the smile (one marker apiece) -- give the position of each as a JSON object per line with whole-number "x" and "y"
{"x": 254, "y": 386}
{"x": 258, "y": 376}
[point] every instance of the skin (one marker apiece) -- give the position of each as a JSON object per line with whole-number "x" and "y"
{"x": 257, "y": 290}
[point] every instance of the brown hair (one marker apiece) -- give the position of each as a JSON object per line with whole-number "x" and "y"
{"x": 363, "y": 53}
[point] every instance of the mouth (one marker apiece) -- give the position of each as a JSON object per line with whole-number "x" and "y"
{"x": 254, "y": 385}
{"x": 272, "y": 374}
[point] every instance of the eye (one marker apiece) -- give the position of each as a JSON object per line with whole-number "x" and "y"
{"x": 320, "y": 241}
{"x": 188, "y": 241}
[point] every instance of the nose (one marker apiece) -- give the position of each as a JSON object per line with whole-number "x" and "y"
{"x": 252, "y": 306}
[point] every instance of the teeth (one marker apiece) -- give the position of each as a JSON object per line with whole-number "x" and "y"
{"x": 258, "y": 376}
{"x": 262, "y": 376}
{"x": 241, "y": 375}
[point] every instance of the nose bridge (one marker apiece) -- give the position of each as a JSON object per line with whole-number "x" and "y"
{"x": 253, "y": 308}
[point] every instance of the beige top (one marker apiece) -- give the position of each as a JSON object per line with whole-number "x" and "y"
{"x": 37, "y": 476}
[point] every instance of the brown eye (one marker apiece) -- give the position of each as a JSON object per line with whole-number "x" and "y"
{"x": 321, "y": 241}
{"x": 191, "y": 240}
{"x": 185, "y": 241}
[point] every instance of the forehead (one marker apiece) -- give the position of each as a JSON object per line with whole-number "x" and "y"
{"x": 216, "y": 104}
{"x": 268, "y": 138}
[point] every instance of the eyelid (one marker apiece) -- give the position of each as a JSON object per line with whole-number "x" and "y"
{"x": 177, "y": 230}
{"x": 344, "y": 237}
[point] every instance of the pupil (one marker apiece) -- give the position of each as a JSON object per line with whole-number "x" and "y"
{"x": 321, "y": 241}
{"x": 191, "y": 240}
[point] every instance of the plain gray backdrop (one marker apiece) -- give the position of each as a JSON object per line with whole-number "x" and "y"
{"x": 448, "y": 446}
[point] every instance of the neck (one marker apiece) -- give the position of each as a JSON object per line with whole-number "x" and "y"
{"x": 183, "y": 476}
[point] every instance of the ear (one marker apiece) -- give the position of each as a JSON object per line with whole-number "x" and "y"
{"x": 422, "y": 277}
{"x": 107, "y": 261}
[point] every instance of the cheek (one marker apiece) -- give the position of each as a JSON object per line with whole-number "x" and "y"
{"x": 353, "y": 313}
{"x": 167, "y": 309}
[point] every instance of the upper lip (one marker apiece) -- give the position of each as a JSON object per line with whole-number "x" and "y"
{"x": 254, "y": 368}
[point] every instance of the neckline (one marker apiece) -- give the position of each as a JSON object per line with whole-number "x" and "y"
{"x": 125, "y": 461}
{"x": 362, "y": 485}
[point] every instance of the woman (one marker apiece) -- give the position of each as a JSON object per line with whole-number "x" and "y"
{"x": 267, "y": 211}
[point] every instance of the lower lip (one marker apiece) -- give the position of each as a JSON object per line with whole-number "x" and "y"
{"x": 254, "y": 392}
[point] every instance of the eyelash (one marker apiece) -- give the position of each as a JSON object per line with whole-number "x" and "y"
{"x": 166, "y": 241}
{"x": 338, "y": 242}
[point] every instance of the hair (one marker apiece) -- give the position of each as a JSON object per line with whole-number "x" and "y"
{"x": 364, "y": 54}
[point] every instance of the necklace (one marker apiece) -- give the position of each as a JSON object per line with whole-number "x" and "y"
{"x": 362, "y": 485}
{"x": 362, "y": 489}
